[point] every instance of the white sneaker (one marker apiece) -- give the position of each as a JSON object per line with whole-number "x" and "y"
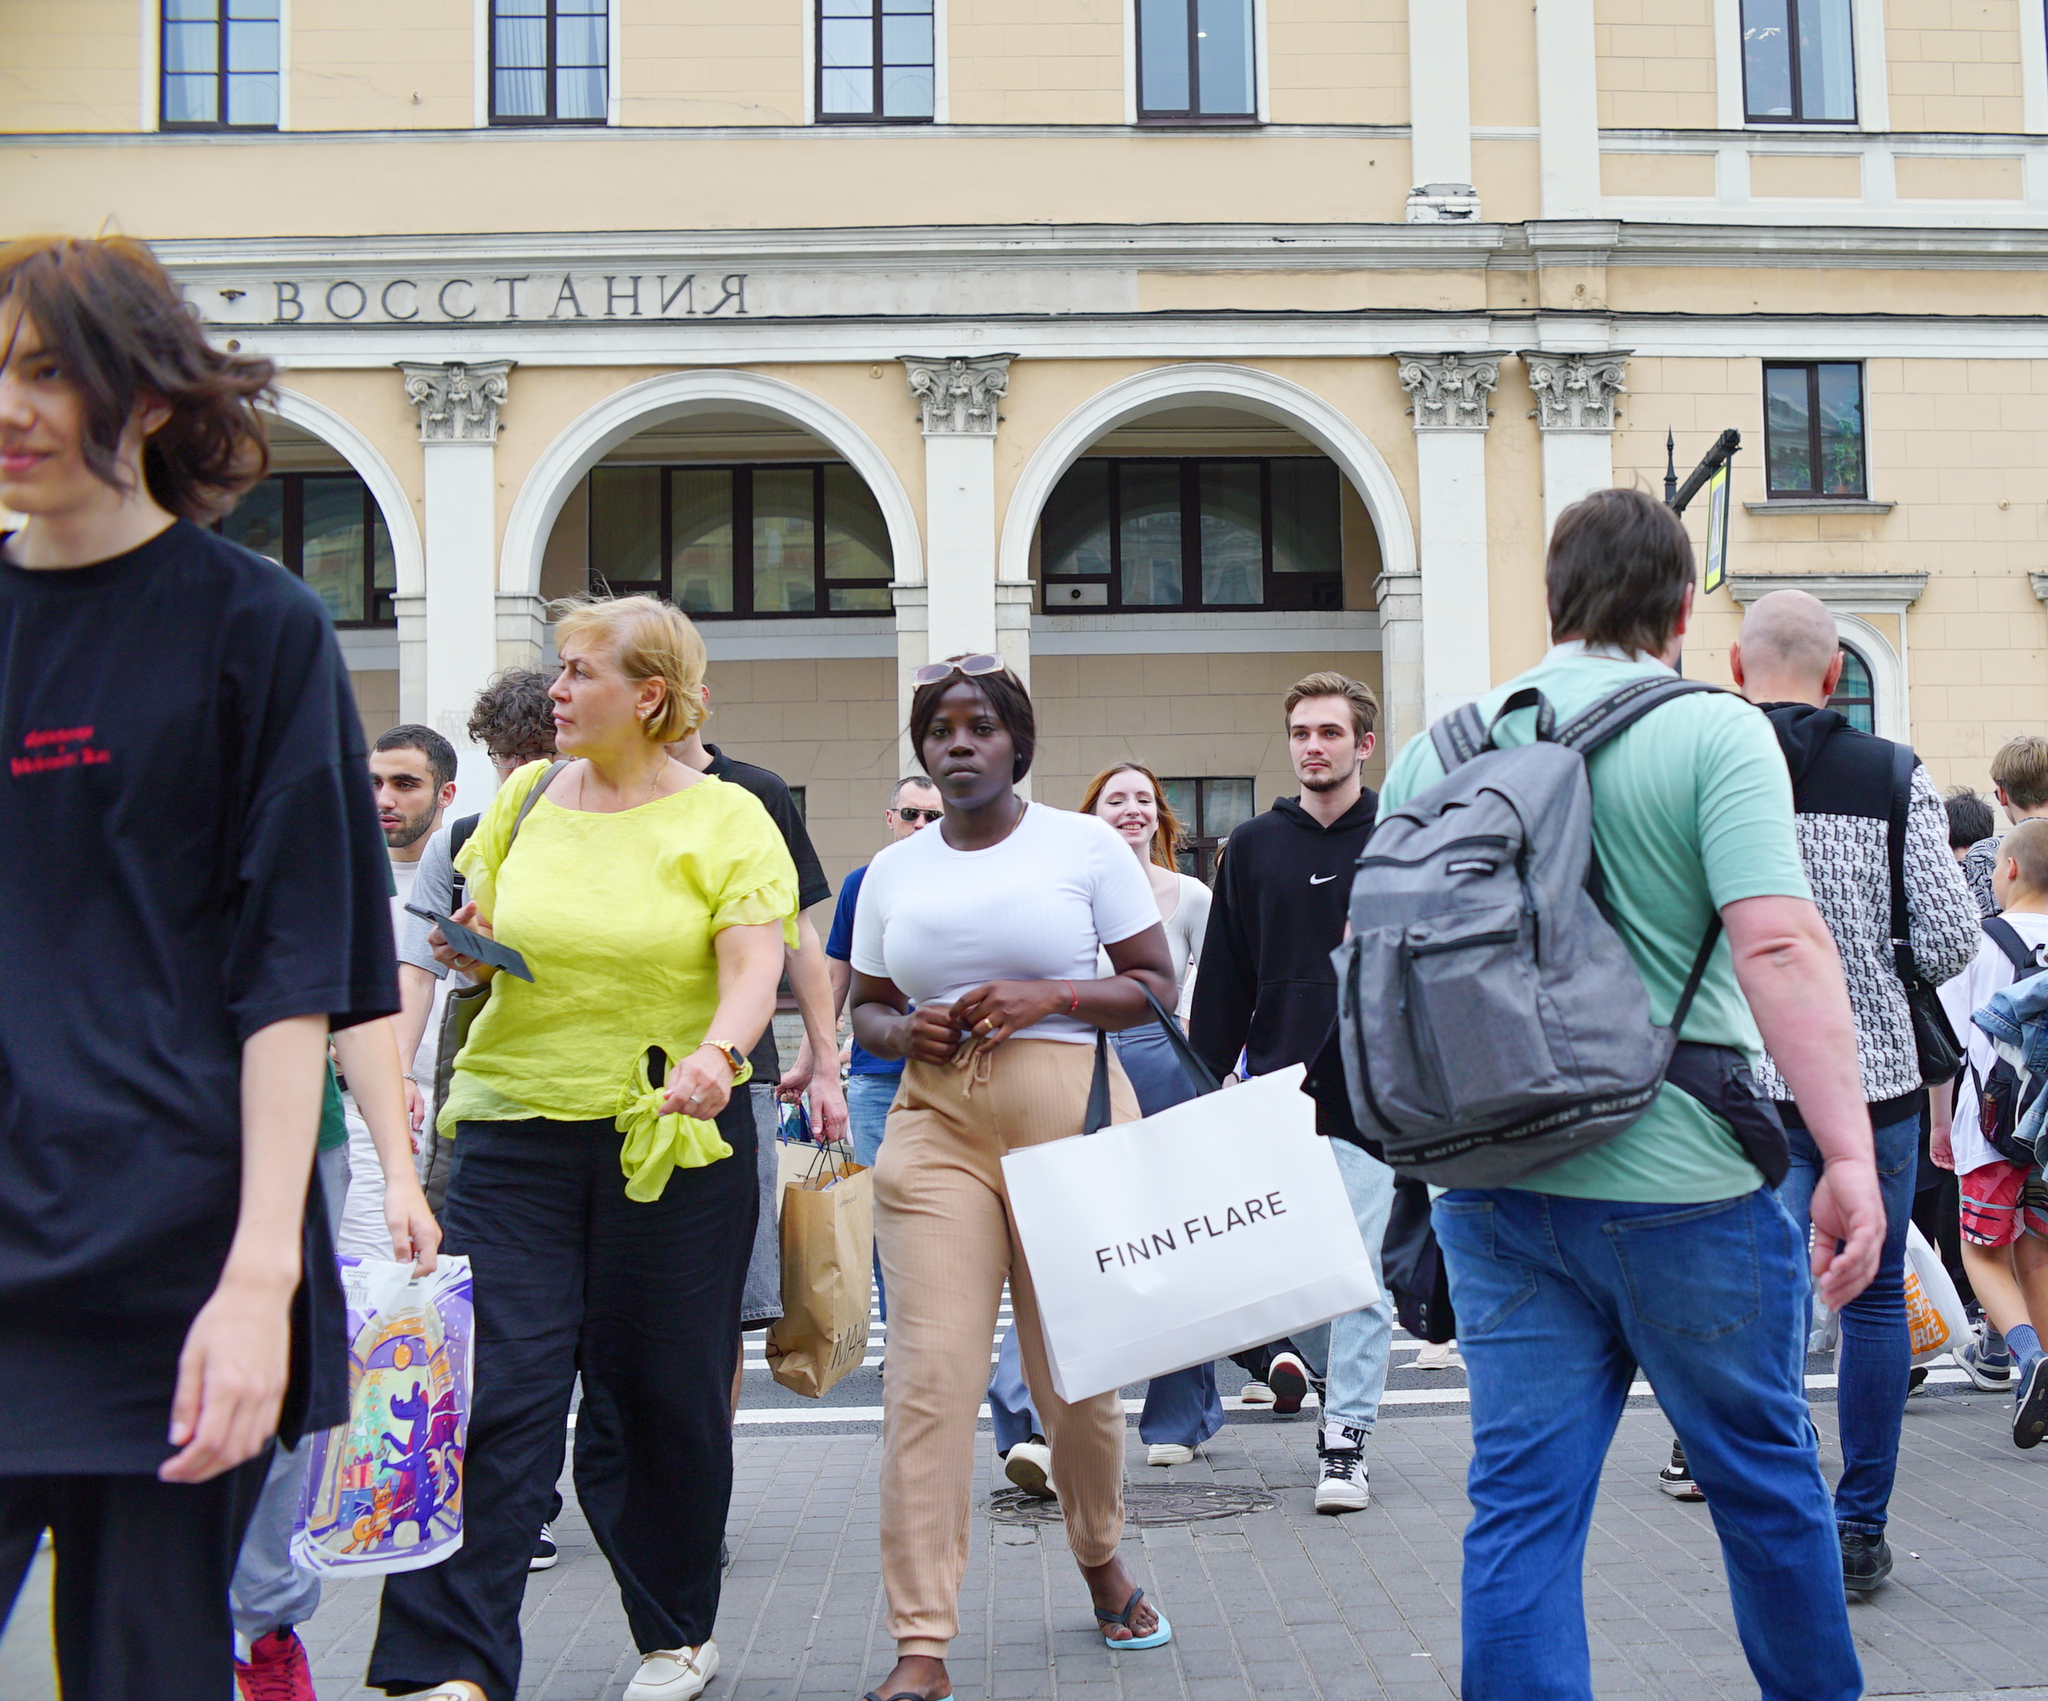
{"x": 1439, "y": 1355}
{"x": 674, "y": 1674}
{"x": 1169, "y": 1453}
{"x": 1255, "y": 1394}
{"x": 1345, "y": 1485}
{"x": 1029, "y": 1466}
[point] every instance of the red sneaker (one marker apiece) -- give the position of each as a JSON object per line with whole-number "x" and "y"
{"x": 276, "y": 1669}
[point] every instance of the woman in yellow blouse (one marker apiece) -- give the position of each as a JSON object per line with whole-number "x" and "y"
{"x": 605, "y": 1187}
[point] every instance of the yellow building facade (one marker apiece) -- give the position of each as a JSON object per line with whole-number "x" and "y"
{"x": 1170, "y": 350}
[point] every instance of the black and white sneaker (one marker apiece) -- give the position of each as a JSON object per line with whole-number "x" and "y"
{"x": 545, "y": 1553}
{"x": 2030, "y": 1409}
{"x": 1675, "y": 1479}
{"x": 1344, "y": 1485}
{"x": 1288, "y": 1378}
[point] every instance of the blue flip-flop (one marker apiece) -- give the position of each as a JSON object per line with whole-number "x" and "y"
{"x": 1158, "y": 1639}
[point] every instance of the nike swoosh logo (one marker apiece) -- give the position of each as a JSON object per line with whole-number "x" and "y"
{"x": 1321, "y": 879}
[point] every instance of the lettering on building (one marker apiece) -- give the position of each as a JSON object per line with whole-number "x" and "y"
{"x": 681, "y": 292}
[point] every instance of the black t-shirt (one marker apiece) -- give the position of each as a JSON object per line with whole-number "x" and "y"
{"x": 188, "y": 854}
{"x": 811, "y": 885}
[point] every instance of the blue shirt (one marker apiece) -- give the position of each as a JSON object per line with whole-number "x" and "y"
{"x": 839, "y": 947}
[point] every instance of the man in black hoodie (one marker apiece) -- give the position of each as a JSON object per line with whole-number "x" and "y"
{"x": 1266, "y": 988}
{"x": 1849, "y": 807}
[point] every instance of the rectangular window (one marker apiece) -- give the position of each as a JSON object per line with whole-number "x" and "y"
{"x": 875, "y": 62}
{"x": 1813, "y": 428}
{"x": 1798, "y": 62}
{"x": 1208, "y": 533}
{"x": 220, "y": 60}
{"x": 1208, "y": 809}
{"x": 788, "y": 538}
{"x": 326, "y": 528}
{"x": 1195, "y": 61}
{"x": 549, "y": 61}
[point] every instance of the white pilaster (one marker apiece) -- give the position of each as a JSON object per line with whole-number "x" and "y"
{"x": 458, "y": 408}
{"x": 1439, "y": 92}
{"x": 1575, "y": 403}
{"x": 1568, "y": 109}
{"x": 960, "y": 398}
{"x": 1448, "y": 395}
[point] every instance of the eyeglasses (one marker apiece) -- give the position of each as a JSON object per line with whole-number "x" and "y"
{"x": 971, "y": 667}
{"x": 917, "y": 817}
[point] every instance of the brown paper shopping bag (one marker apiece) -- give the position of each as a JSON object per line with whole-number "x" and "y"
{"x": 828, "y": 1245}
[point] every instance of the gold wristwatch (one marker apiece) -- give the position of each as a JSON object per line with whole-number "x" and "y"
{"x": 735, "y": 1058}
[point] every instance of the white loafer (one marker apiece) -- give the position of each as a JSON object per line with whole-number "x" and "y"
{"x": 674, "y": 1674}
{"x": 1169, "y": 1453}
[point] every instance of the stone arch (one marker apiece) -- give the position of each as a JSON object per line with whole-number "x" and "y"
{"x": 676, "y": 395}
{"x": 1246, "y": 388}
{"x": 1892, "y": 717}
{"x": 408, "y": 556}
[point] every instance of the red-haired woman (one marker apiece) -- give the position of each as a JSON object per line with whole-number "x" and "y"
{"x": 192, "y": 892}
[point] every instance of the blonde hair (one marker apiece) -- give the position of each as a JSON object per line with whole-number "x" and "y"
{"x": 1365, "y": 707}
{"x": 2020, "y": 770}
{"x": 647, "y": 639}
{"x": 1166, "y": 831}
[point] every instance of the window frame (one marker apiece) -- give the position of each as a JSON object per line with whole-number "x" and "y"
{"x": 223, "y": 25}
{"x": 876, "y": 68}
{"x": 1199, "y": 846}
{"x": 1192, "y": 113}
{"x": 1189, "y": 468}
{"x": 549, "y": 18}
{"x": 293, "y": 541}
{"x": 742, "y": 528}
{"x": 1813, "y": 493}
{"x": 1795, "y": 77}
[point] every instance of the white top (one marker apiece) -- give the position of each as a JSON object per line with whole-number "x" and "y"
{"x": 940, "y": 922}
{"x": 1971, "y": 990}
{"x": 1185, "y": 930}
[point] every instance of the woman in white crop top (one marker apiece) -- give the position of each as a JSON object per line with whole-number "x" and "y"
{"x": 989, "y": 924}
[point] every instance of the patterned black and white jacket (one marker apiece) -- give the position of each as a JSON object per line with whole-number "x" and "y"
{"x": 1842, "y": 791}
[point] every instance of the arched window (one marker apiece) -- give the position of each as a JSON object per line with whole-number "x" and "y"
{"x": 1854, "y": 698}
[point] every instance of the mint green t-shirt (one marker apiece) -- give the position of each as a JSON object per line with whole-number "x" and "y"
{"x": 1692, "y": 811}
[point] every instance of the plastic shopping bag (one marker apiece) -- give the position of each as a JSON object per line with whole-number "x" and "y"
{"x": 1934, "y": 1310}
{"x": 1217, "y": 1225}
{"x": 828, "y": 1254}
{"x": 384, "y": 1490}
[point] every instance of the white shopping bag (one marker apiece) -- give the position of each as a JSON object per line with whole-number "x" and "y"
{"x": 1934, "y": 1310}
{"x": 1217, "y": 1225}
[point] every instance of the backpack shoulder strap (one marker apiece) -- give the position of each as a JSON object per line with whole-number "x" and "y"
{"x": 458, "y": 834}
{"x": 1465, "y": 733}
{"x": 1620, "y": 709}
{"x": 2017, "y": 951}
{"x": 1903, "y": 764}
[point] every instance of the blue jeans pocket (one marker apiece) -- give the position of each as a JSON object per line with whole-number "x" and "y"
{"x": 1692, "y": 1272}
{"x": 1486, "y": 1289}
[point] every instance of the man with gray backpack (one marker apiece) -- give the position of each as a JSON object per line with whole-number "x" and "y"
{"x": 1539, "y": 1013}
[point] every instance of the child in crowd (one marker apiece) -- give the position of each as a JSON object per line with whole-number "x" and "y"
{"x": 2004, "y": 1204}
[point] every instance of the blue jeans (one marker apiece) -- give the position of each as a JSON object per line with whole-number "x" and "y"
{"x": 1350, "y": 1352}
{"x": 868, "y": 1098}
{"x": 1876, "y": 1352}
{"x": 1559, "y": 1301}
{"x": 1182, "y": 1406}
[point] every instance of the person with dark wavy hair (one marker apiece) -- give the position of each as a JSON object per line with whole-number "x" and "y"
{"x": 192, "y": 891}
{"x": 975, "y": 960}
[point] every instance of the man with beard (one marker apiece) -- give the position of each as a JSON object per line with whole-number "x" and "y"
{"x": 1266, "y": 988}
{"x": 412, "y": 772}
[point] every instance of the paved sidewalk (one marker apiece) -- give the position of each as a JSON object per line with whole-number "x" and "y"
{"x": 1284, "y": 1602}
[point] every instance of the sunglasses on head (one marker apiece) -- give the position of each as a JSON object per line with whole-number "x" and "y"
{"x": 971, "y": 667}
{"x": 916, "y": 816}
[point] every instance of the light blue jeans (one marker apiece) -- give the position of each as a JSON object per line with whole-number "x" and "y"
{"x": 1350, "y": 1352}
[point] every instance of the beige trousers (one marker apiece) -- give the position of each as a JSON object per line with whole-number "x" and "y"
{"x": 942, "y": 1225}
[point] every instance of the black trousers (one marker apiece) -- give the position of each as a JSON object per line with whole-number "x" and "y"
{"x": 141, "y": 1588}
{"x": 645, "y": 1299}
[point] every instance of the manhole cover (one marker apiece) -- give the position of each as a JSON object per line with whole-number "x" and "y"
{"x": 1144, "y": 1504}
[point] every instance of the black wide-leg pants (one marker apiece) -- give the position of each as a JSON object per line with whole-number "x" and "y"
{"x": 645, "y": 1299}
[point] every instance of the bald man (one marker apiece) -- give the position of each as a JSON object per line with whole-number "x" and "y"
{"x": 1847, "y": 789}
